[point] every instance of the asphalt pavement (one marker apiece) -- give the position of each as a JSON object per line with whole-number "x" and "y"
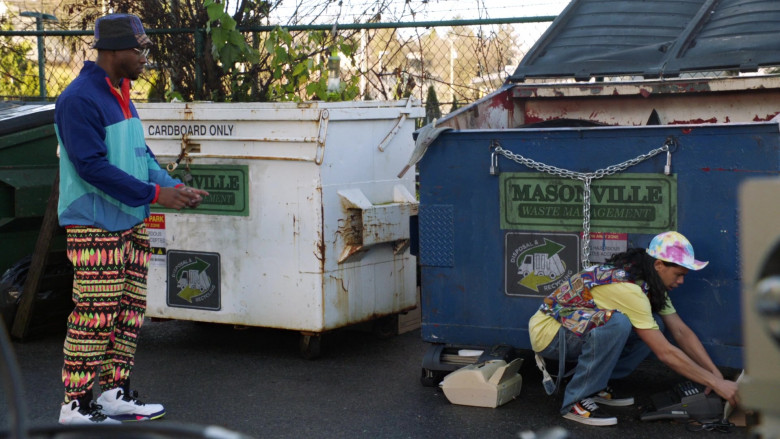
{"x": 254, "y": 381}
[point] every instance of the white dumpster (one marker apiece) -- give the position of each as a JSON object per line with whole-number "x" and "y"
{"x": 307, "y": 224}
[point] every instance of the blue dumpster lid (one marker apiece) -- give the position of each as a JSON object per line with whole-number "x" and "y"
{"x": 19, "y": 116}
{"x": 655, "y": 38}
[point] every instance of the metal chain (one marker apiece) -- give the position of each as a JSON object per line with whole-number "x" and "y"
{"x": 586, "y": 178}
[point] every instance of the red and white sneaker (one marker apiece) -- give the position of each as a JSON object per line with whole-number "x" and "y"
{"x": 587, "y": 412}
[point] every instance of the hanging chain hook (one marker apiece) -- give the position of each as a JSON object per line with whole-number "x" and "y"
{"x": 671, "y": 146}
{"x": 494, "y": 157}
{"x": 185, "y": 147}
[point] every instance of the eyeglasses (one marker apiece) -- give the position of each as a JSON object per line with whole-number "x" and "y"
{"x": 141, "y": 52}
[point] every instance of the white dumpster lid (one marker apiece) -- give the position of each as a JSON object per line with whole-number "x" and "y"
{"x": 284, "y": 111}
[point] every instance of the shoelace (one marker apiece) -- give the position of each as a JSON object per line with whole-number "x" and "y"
{"x": 94, "y": 411}
{"x": 589, "y": 405}
{"x": 131, "y": 396}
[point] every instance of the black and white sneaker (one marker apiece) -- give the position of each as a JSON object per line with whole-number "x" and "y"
{"x": 125, "y": 406}
{"x": 610, "y": 398}
{"x": 74, "y": 413}
{"x": 587, "y": 412}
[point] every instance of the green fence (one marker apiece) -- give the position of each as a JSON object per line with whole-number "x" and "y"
{"x": 447, "y": 63}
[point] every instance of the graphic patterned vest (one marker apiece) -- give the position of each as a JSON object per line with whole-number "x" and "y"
{"x": 572, "y": 303}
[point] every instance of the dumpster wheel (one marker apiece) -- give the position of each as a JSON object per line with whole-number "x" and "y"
{"x": 386, "y": 327}
{"x": 310, "y": 345}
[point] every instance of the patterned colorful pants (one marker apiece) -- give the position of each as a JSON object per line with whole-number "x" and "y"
{"x": 109, "y": 290}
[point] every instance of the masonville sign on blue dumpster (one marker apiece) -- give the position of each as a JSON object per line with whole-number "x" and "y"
{"x": 626, "y": 119}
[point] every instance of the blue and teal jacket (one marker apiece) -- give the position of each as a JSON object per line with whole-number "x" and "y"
{"x": 108, "y": 175}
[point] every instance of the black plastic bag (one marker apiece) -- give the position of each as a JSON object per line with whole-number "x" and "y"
{"x": 53, "y": 302}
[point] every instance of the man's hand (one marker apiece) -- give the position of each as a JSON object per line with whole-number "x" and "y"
{"x": 199, "y": 194}
{"x": 681, "y": 363}
{"x": 727, "y": 390}
{"x": 177, "y": 198}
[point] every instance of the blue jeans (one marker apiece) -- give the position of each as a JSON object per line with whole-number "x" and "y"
{"x": 610, "y": 351}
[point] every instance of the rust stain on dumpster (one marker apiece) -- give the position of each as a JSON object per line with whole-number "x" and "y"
{"x": 768, "y": 117}
{"x": 693, "y": 121}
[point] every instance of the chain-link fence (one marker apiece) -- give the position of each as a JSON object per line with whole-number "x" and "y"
{"x": 444, "y": 64}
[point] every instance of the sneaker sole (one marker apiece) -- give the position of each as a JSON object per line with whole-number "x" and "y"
{"x": 600, "y": 422}
{"x": 82, "y": 421}
{"x": 137, "y": 418}
{"x": 622, "y": 402}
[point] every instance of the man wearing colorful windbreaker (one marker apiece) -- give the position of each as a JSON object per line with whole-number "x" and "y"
{"x": 609, "y": 317}
{"x": 108, "y": 179}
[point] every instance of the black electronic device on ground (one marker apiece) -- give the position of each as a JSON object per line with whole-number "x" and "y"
{"x": 686, "y": 400}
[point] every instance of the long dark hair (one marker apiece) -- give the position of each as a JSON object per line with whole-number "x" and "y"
{"x": 639, "y": 265}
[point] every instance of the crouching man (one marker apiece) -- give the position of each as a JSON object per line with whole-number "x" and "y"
{"x": 607, "y": 319}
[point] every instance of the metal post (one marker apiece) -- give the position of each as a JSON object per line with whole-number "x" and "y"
{"x": 198, "y": 59}
{"x": 39, "y": 17}
{"x": 41, "y": 57}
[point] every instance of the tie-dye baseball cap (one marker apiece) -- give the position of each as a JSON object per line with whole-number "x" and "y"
{"x": 675, "y": 248}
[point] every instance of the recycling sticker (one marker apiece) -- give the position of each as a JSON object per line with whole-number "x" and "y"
{"x": 537, "y": 263}
{"x": 193, "y": 280}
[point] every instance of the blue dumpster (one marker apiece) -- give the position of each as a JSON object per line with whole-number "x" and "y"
{"x": 520, "y": 193}
{"x": 478, "y": 229}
